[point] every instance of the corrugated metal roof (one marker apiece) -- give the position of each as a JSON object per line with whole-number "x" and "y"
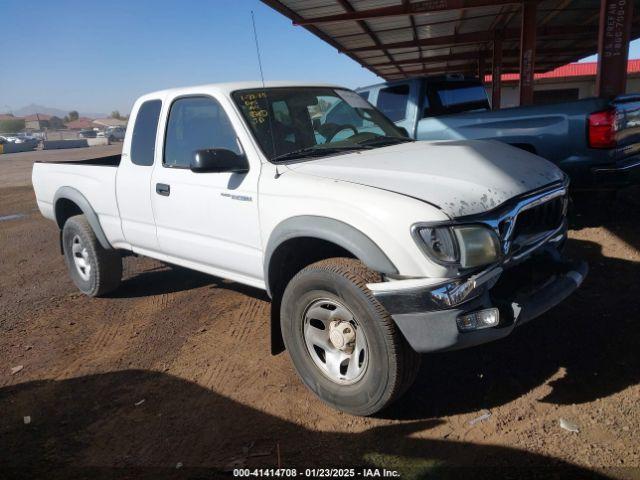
{"x": 405, "y": 39}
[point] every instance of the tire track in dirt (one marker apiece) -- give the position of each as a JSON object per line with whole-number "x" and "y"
{"x": 218, "y": 375}
{"x": 222, "y": 356}
{"x": 245, "y": 322}
{"x": 126, "y": 330}
{"x": 231, "y": 356}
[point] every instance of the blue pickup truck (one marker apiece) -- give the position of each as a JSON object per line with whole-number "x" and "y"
{"x": 595, "y": 141}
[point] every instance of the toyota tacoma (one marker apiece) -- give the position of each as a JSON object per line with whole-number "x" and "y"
{"x": 374, "y": 248}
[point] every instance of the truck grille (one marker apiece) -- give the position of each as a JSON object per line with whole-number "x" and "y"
{"x": 539, "y": 219}
{"x": 530, "y": 221}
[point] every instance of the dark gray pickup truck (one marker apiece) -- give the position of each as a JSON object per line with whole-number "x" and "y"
{"x": 595, "y": 141}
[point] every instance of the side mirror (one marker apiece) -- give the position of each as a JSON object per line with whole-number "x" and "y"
{"x": 316, "y": 124}
{"x": 403, "y": 131}
{"x": 218, "y": 160}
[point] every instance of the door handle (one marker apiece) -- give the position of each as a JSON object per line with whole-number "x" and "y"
{"x": 163, "y": 189}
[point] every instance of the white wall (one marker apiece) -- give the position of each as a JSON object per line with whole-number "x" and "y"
{"x": 510, "y": 92}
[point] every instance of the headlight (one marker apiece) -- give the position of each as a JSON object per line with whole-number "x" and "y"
{"x": 478, "y": 246}
{"x": 467, "y": 246}
{"x": 440, "y": 243}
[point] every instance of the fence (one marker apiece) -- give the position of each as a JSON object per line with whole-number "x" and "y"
{"x": 47, "y": 135}
{"x": 61, "y": 135}
{"x": 50, "y": 139}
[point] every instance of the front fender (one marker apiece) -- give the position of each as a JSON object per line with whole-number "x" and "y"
{"x": 331, "y": 230}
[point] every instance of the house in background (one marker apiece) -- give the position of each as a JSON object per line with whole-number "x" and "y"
{"x": 36, "y": 122}
{"x": 564, "y": 84}
{"x": 83, "y": 123}
{"x": 104, "y": 123}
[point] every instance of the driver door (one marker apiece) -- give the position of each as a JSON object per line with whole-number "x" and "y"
{"x": 206, "y": 221}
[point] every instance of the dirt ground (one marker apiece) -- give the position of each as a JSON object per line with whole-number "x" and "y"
{"x": 171, "y": 376}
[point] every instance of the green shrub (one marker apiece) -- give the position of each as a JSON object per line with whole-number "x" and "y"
{"x": 12, "y": 125}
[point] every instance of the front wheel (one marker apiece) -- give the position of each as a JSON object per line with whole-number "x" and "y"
{"x": 342, "y": 342}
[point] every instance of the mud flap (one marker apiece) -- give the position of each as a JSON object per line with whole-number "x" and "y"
{"x": 277, "y": 343}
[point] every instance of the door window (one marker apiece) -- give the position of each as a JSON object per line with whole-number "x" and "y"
{"x": 143, "y": 142}
{"x": 393, "y": 102}
{"x": 196, "y": 123}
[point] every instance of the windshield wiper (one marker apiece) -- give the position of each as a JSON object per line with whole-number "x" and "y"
{"x": 316, "y": 151}
{"x": 319, "y": 151}
{"x": 384, "y": 140}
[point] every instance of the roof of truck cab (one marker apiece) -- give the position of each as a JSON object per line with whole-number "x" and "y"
{"x": 229, "y": 87}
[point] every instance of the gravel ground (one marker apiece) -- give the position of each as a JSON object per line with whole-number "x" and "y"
{"x": 173, "y": 370}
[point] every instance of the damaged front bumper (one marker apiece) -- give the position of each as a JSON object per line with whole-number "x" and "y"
{"x": 429, "y": 315}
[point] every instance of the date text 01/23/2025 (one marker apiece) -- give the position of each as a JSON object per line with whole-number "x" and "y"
{"x": 316, "y": 473}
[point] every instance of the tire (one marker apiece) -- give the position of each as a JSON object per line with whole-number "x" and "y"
{"x": 380, "y": 365}
{"x": 94, "y": 270}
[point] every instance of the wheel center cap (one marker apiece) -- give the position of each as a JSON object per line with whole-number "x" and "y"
{"x": 341, "y": 334}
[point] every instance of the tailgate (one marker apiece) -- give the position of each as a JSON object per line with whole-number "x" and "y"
{"x": 627, "y": 125}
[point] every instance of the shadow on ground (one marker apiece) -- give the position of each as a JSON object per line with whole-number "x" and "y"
{"x": 162, "y": 279}
{"x": 91, "y": 427}
{"x": 618, "y": 212}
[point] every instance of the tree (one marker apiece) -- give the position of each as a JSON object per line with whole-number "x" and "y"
{"x": 56, "y": 123}
{"x": 73, "y": 115}
{"x": 12, "y": 125}
{"x": 116, "y": 114}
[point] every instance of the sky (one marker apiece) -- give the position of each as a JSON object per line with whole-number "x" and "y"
{"x": 100, "y": 56}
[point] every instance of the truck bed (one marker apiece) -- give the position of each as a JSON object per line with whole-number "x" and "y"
{"x": 557, "y": 132}
{"x": 94, "y": 179}
{"x": 106, "y": 161}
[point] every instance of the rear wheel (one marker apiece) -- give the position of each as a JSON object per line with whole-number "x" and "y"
{"x": 95, "y": 270}
{"x": 342, "y": 342}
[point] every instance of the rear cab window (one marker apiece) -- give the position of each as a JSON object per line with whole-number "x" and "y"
{"x": 454, "y": 96}
{"x": 143, "y": 141}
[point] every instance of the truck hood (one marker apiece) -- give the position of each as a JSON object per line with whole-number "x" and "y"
{"x": 460, "y": 177}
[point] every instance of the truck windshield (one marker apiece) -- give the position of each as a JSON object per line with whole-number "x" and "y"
{"x": 300, "y": 122}
{"x": 449, "y": 97}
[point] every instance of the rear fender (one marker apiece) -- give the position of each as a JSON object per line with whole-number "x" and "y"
{"x": 73, "y": 195}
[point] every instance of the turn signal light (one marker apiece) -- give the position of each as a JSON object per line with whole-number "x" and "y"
{"x": 602, "y": 129}
{"x": 477, "y": 320}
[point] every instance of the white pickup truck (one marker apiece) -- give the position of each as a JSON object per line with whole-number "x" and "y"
{"x": 373, "y": 247}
